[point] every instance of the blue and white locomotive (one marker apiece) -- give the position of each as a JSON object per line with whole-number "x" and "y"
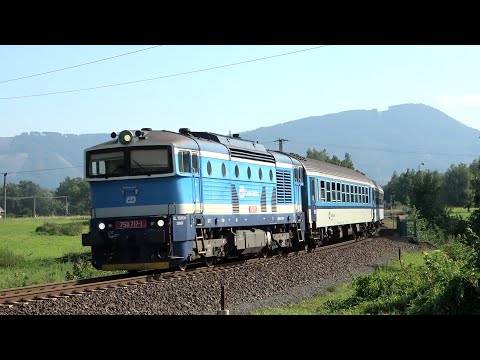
{"x": 162, "y": 199}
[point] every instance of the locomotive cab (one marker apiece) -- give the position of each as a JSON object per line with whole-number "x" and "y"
{"x": 137, "y": 208}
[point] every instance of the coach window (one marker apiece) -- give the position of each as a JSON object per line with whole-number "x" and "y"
{"x": 249, "y": 172}
{"x": 184, "y": 161}
{"x": 298, "y": 176}
{"x": 237, "y": 172}
{"x": 271, "y": 175}
{"x": 313, "y": 191}
{"x": 368, "y": 193}
{"x": 352, "y": 194}
{"x": 322, "y": 190}
{"x": 194, "y": 163}
{"x": 328, "y": 192}
{"x": 347, "y": 193}
{"x": 260, "y": 174}
{"x": 209, "y": 168}
{"x": 334, "y": 197}
{"x": 224, "y": 170}
{"x": 364, "y": 197}
{"x": 339, "y": 197}
{"x": 343, "y": 193}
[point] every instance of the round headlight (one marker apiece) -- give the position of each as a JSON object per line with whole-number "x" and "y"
{"x": 125, "y": 137}
{"x": 160, "y": 222}
{"x": 101, "y": 226}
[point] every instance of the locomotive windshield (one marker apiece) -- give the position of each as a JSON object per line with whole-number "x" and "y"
{"x": 128, "y": 162}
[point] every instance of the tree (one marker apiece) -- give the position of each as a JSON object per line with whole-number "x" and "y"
{"x": 475, "y": 182}
{"x": 323, "y": 156}
{"x": 347, "y": 162}
{"x": 78, "y": 192}
{"x": 400, "y": 186}
{"x": 21, "y": 202}
{"x": 425, "y": 195}
{"x": 318, "y": 155}
{"x": 335, "y": 160}
{"x": 456, "y": 190}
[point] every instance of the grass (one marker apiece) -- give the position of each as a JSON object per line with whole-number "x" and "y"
{"x": 463, "y": 212}
{"x": 319, "y": 305}
{"x": 28, "y": 257}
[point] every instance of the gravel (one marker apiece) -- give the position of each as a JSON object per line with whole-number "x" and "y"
{"x": 250, "y": 288}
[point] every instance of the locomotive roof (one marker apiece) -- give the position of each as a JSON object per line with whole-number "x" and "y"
{"x": 282, "y": 157}
{"x": 229, "y": 141}
{"x": 196, "y": 140}
{"x": 152, "y": 138}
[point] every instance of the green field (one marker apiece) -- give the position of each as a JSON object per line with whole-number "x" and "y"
{"x": 28, "y": 257}
{"x": 463, "y": 212}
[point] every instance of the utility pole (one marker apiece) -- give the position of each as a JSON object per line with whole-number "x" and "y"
{"x": 280, "y": 143}
{"x": 34, "y": 213}
{"x": 5, "y": 195}
{"x": 392, "y": 196}
{"x": 66, "y": 205}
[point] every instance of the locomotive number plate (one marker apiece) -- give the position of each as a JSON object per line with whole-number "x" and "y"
{"x": 129, "y": 224}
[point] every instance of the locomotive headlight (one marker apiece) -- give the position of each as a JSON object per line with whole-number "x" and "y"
{"x": 125, "y": 137}
{"x": 101, "y": 226}
{"x": 160, "y": 223}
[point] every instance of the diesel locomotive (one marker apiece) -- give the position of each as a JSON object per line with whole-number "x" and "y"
{"x": 163, "y": 199}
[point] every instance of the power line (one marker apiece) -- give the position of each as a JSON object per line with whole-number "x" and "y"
{"x": 75, "y": 66}
{"x": 162, "y": 77}
{"x": 26, "y": 171}
{"x": 383, "y": 149}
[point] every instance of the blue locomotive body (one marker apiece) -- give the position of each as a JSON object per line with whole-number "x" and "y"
{"x": 162, "y": 199}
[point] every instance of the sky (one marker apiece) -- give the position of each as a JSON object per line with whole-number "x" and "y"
{"x": 277, "y": 87}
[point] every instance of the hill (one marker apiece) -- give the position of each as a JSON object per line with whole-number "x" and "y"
{"x": 379, "y": 143}
{"x": 46, "y": 150}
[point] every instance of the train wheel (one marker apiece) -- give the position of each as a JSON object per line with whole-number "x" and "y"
{"x": 279, "y": 251}
{"x": 264, "y": 252}
{"x": 209, "y": 260}
{"x": 304, "y": 246}
{"x": 183, "y": 265}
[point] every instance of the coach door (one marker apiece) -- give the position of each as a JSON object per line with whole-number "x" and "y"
{"x": 312, "y": 200}
{"x": 189, "y": 163}
{"x": 297, "y": 184}
{"x": 197, "y": 182}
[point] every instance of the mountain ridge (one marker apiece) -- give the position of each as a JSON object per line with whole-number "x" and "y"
{"x": 379, "y": 142}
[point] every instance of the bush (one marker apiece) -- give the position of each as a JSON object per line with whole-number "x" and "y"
{"x": 70, "y": 229}
{"x": 82, "y": 266}
{"x": 9, "y": 259}
{"x": 447, "y": 283}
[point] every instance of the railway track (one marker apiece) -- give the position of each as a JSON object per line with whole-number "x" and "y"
{"x": 54, "y": 291}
